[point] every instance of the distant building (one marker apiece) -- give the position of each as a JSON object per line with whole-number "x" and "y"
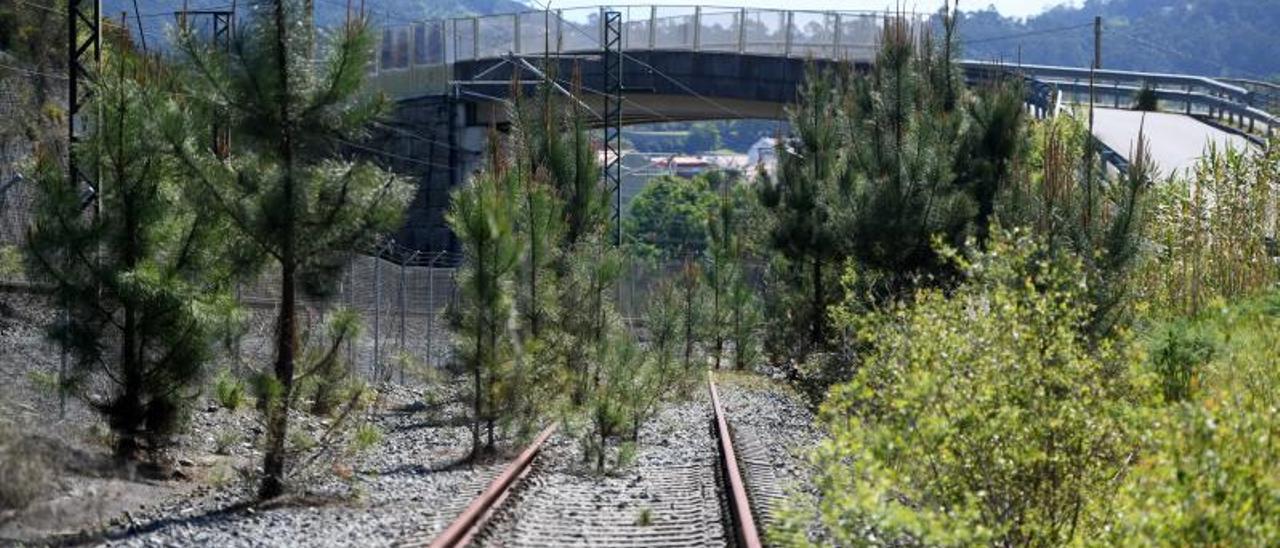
{"x": 764, "y": 151}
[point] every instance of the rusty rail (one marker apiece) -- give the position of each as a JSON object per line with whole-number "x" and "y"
{"x": 465, "y": 526}
{"x": 739, "y": 506}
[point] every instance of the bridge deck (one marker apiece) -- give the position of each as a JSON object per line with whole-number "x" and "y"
{"x": 1176, "y": 140}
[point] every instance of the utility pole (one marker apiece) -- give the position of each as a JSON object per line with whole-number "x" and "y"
{"x": 1097, "y": 64}
{"x": 1093, "y": 68}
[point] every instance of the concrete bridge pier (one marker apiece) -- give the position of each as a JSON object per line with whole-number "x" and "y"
{"x": 428, "y": 139}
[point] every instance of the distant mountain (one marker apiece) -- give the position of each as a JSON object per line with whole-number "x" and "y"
{"x": 1208, "y": 37}
{"x": 157, "y": 15}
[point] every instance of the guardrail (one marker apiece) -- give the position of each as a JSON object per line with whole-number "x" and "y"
{"x": 1190, "y": 95}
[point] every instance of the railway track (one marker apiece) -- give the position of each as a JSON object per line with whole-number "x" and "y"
{"x": 710, "y": 500}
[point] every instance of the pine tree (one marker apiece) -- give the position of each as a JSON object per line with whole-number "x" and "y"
{"x": 989, "y": 149}
{"x": 482, "y": 215}
{"x": 723, "y": 273}
{"x": 803, "y": 199}
{"x": 140, "y": 279}
{"x": 903, "y": 132}
{"x": 292, "y": 98}
{"x": 690, "y": 284}
{"x": 541, "y": 220}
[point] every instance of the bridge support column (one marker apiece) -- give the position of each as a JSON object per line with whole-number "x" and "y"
{"x": 430, "y": 141}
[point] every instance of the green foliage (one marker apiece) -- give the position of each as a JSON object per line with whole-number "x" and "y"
{"x": 1179, "y": 352}
{"x": 481, "y": 214}
{"x": 667, "y": 219}
{"x": 1147, "y": 100}
{"x": 1210, "y": 232}
{"x": 366, "y": 436}
{"x": 224, "y": 440}
{"x": 291, "y": 96}
{"x": 323, "y": 365}
{"x": 32, "y": 53}
{"x": 991, "y": 146}
{"x": 732, "y": 319}
{"x": 614, "y": 402}
{"x": 1208, "y": 470}
{"x": 905, "y": 142}
{"x": 703, "y": 138}
{"x": 802, "y": 201}
{"x": 645, "y": 518}
{"x": 1069, "y": 202}
{"x": 983, "y": 416}
{"x": 228, "y": 390}
{"x": 10, "y": 261}
{"x": 141, "y": 280}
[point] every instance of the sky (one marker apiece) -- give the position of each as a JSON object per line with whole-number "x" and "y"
{"x": 1015, "y": 8}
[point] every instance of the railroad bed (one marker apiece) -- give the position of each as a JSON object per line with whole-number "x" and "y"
{"x": 680, "y": 492}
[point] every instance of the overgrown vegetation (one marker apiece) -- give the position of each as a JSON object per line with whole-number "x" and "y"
{"x": 1077, "y": 377}
{"x": 1213, "y": 233}
{"x": 983, "y": 416}
{"x": 140, "y": 277}
{"x": 292, "y": 201}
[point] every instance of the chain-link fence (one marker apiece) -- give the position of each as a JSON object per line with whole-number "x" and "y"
{"x": 400, "y": 296}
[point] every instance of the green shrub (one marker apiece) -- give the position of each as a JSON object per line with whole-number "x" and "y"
{"x": 645, "y": 518}
{"x": 229, "y": 390}
{"x": 224, "y": 440}
{"x": 1147, "y": 100}
{"x": 10, "y": 261}
{"x": 1208, "y": 473}
{"x": 1178, "y": 351}
{"x": 1209, "y": 233}
{"x": 980, "y": 416}
{"x": 366, "y": 436}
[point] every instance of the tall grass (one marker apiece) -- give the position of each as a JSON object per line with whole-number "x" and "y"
{"x": 1212, "y": 234}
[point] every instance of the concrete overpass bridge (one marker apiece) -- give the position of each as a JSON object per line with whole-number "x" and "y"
{"x": 451, "y": 79}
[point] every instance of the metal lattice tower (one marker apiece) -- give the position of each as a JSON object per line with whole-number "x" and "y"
{"x": 84, "y": 54}
{"x": 612, "y": 40}
{"x": 223, "y": 26}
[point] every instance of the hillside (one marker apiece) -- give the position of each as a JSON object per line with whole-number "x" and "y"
{"x": 1209, "y": 37}
{"x": 157, "y": 14}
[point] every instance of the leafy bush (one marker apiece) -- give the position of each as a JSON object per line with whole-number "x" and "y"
{"x": 325, "y": 367}
{"x": 668, "y": 218}
{"x": 224, "y": 440}
{"x": 1209, "y": 470}
{"x": 10, "y": 261}
{"x": 1178, "y": 352}
{"x": 982, "y": 416}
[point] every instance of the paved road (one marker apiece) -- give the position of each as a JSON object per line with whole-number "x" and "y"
{"x": 1176, "y": 141}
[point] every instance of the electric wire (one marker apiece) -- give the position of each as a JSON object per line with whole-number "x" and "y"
{"x": 1027, "y": 34}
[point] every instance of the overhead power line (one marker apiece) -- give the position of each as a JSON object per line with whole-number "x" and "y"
{"x": 1027, "y": 34}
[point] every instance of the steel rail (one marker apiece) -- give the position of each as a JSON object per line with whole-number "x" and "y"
{"x": 463, "y": 528}
{"x": 739, "y": 505}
